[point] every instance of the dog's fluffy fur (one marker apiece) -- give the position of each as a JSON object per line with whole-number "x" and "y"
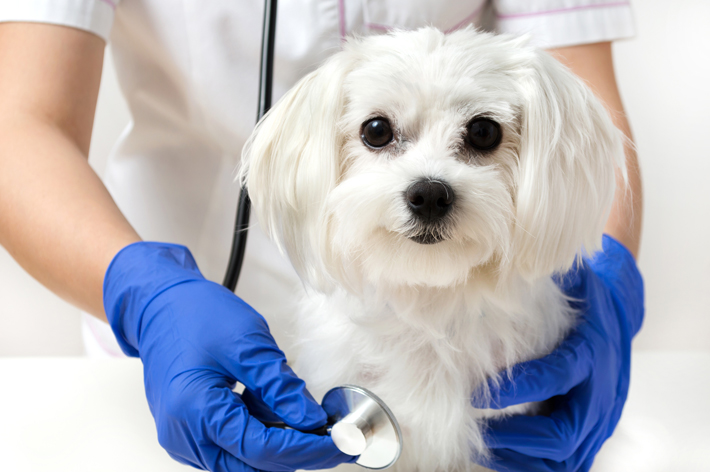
{"x": 425, "y": 325}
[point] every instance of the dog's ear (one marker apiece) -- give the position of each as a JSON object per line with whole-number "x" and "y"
{"x": 569, "y": 153}
{"x": 290, "y": 163}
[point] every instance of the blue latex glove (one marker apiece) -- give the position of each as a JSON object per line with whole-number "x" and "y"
{"x": 196, "y": 339}
{"x": 588, "y": 374}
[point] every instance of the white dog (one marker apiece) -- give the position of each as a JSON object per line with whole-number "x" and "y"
{"x": 426, "y": 187}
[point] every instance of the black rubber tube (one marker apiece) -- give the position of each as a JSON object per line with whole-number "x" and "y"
{"x": 266, "y": 80}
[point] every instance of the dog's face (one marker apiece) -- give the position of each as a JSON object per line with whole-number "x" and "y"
{"x": 422, "y": 159}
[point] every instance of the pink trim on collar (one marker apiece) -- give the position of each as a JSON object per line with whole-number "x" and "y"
{"x": 109, "y": 3}
{"x": 562, "y": 10}
{"x": 341, "y": 15}
{"x": 458, "y": 25}
{"x": 468, "y": 19}
{"x": 378, "y": 26}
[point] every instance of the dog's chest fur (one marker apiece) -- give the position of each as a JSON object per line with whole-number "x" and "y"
{"x": 425, "y": 352}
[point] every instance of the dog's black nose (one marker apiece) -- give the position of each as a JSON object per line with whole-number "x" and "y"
{"x": 430, "y": 199}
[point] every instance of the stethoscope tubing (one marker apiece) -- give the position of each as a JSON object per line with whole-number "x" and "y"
{"x": 266, "y": 80}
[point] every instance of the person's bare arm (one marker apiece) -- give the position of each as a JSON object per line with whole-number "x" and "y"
{"x": 56, "y": 217}
{"x": 593, "y": 63}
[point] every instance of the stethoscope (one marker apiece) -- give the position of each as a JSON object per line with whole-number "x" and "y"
{"x": 358, "y": 421}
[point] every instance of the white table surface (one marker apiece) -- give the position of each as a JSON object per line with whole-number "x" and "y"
{"x": 76, "y": 414}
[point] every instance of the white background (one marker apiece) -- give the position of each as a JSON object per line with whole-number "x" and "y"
{"x": 663, "y": 75}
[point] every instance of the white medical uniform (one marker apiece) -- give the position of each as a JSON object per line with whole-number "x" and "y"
{"x": 189, "y": 72}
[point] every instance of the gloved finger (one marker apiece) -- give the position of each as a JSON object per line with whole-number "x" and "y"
{"x": 587, "y": 462}
{"x": 216, "y": 460}
{"x": 261, "y": 366}
{"x": 505, "y": 460}
{"x": 258, "y": 409}
{"x": 512, "y": 461}
{"x": 556, "y": 437}
{"x": 223, "y": 461}
{"x": 184, "y": 460}
{"x": 232, "y": 428}
{"x": 541, "y": 379}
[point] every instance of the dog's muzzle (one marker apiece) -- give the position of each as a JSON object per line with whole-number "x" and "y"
{"x": 429, "y": 202}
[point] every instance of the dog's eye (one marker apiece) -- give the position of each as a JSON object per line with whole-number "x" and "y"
{"x": 376, "y": 133}
{"x": 483, "y": 134}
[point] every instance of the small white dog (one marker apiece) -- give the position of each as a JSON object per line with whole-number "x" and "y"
{"x": 426, "y": 187}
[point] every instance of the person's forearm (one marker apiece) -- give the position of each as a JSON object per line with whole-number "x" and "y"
{"x": 593, "y": 63}
{"x": 625, "y": 219}
{"x": 56, "y": 217}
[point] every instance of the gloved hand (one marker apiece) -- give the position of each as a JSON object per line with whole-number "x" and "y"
{"x": 196, "y": 339}
{"x": 587, "y": 376}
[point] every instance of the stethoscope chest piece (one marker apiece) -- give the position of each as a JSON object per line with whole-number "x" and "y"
{"x": 363, "y": 425}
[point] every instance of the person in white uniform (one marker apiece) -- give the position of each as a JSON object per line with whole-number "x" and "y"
{"x": 189, "y": 72}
